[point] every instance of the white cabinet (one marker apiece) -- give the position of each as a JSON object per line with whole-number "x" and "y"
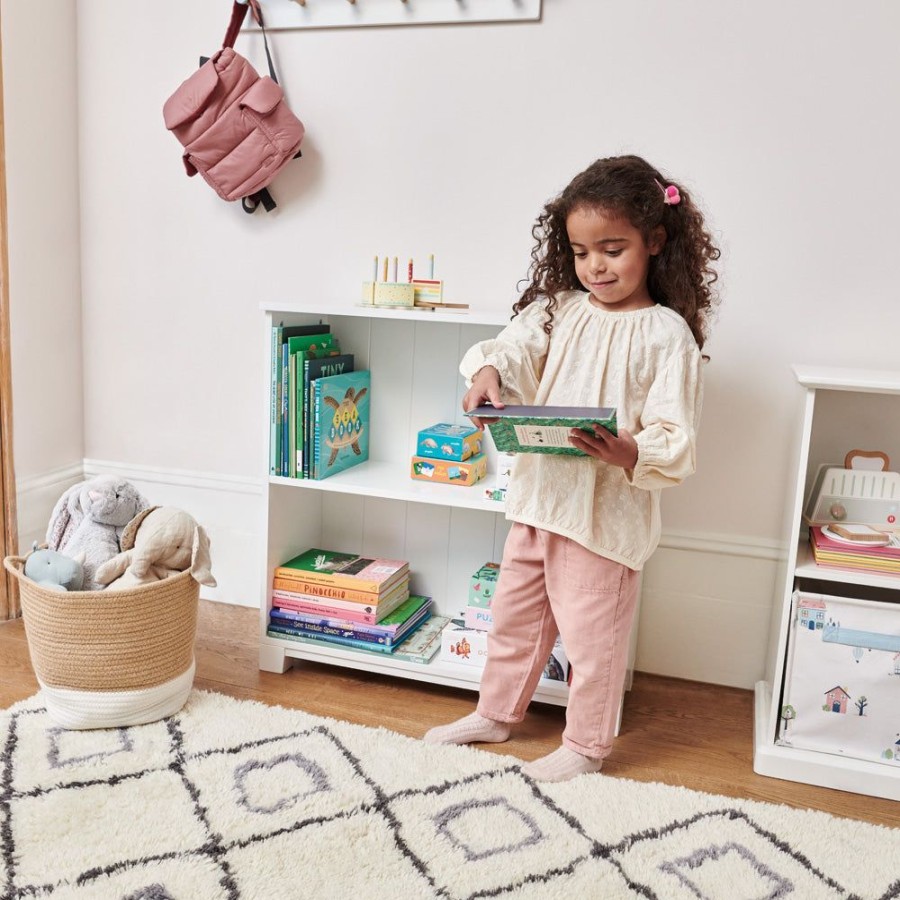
{"x": 447, "y": 532}
{"x": 841, "y": 410}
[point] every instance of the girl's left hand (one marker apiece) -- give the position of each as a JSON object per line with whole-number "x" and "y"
{"x": 615, "y": 451}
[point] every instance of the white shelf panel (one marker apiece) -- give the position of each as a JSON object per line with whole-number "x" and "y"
{"x": 807, "y": 568}
{"x": 838, "y": 379}
{"x": 391, "y": 481}
{"x": 455, "y": 317}
{"x": 436, "y": 672}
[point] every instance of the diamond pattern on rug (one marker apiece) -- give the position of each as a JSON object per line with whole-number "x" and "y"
{"x": 258, "y": 789}
{"x": 693, "y": 860}
{"x": 231, "y": 800}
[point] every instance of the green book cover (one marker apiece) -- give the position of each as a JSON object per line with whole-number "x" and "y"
{"x": 326, "y": 347}
{"x": 404, "y": 611}
{"x": 349, "y": 570}
{"x": 543, "y": 429}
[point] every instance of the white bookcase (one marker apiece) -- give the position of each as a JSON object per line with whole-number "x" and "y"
{"x": 447, "y": 532}
{"x": 840, "y": 410}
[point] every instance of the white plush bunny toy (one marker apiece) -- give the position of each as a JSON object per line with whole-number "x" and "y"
{"x": 90, "y": 518}
{"x": 158, "y": 543}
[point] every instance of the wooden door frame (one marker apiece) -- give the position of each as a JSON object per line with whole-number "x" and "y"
{"x": 9, "y": 537}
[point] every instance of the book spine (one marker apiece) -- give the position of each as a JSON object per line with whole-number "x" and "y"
{"x": 311, "y": 609}
{"x": 286, "y": 617}
{"x": 327, "y": 632}
{"x": 336, "y": 580}
{"x": 299, "y": 364}
{"x": 306, "y": 589}
{"x": 284, "y": 590}
{"x": 291, "y": 417}
{"x": 274, "y": 403}
{"x": 307, "y": 421}
{"x": 285, "y": 456}
{"x": 316, "y": 436}
{"x": 321, "y": 639}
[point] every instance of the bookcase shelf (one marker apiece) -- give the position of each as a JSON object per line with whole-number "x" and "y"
{"x": 391, "y": 481}
{"x": 840, "y": 409}
{"x": 447, "y": 532}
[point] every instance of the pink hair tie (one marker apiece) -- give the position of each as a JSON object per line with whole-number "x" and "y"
{"x": 671, "y": 197}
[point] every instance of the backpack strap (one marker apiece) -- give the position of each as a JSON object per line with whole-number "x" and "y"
{"x": 260, "y": 198}
{"x": 238, "y": 14}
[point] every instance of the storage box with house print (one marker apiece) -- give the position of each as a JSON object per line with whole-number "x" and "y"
{"x": 446, "y": 441}
{"x": 468, "y": 646}
{"x": 842, "y": 678}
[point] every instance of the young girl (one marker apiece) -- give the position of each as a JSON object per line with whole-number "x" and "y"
{"x": 615, "y": 315}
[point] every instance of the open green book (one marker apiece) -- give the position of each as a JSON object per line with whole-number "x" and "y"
{"x": 543, "y": 429}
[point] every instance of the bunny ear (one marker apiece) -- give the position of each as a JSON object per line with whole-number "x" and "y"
{"x": 129, "y": 534}
{"x": 201, "y": 564}
{"x": 61, "y": 517}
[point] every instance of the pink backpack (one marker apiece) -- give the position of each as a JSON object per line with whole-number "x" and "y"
{"x": 236, "y": 128}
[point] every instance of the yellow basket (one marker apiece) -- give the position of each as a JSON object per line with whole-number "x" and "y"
{"x": 110, "y": 658}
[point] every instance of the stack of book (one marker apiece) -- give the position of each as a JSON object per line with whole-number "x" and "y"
{"x": 318, "y": 404}
{"x": 827, "y": 551}
{"x": 345, "y": 599}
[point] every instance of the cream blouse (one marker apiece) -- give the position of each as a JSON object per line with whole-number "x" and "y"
{"x": 645, "y": 363}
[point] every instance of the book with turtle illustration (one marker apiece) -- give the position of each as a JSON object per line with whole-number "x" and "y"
{"x": 543, "y": 429}
{"x": 340, "y": 422}
{"x": 311, "y": 369}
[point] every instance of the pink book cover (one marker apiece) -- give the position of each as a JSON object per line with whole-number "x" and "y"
{"x": 823, "y": 542}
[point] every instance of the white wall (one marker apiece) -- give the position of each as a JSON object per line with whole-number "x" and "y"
{"x": 40, "y": 95}
{"x": 448, "y": 140}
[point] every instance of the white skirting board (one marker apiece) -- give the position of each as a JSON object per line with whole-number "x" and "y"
{"x": 705, "y": 605}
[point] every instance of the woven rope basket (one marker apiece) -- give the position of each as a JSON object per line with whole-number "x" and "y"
{"x": 130, "y": 644}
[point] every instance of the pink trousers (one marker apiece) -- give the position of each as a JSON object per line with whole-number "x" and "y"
{"x": 552, "y": 585}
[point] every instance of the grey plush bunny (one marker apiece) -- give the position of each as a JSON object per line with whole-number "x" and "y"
{"x": 90, "y": 518}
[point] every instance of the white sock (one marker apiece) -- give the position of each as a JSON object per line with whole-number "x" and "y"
{"x": 561, "y": 765}
{"x": 468, "y": 730}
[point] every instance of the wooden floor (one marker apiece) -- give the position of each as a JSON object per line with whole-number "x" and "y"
{"x": 676, "y": 732}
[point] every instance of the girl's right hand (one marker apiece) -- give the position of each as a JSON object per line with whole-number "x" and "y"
{"x": 485, "y": 389}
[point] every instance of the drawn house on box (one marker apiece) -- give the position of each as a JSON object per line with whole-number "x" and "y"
{"x": 811, "y": 613}
{"x": 836, "y": 700}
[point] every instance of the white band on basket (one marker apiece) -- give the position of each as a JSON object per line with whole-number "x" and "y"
{"x": 79, "y": 710}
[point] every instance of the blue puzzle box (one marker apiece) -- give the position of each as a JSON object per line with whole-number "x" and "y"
{"x": 446, "y": 441}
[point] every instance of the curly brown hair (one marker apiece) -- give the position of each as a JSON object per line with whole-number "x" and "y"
{"x": 680, "y": 276}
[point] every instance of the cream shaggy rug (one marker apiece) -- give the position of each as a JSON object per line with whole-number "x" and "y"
{"x": 230, "y": 799}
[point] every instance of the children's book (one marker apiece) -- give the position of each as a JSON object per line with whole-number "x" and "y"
{"x": 424, "y": 642}
{"x": 350, "y": 612}
{"x": 390, "y": 626}
{"x": 340, "y": 422}
{"x": 421, "y": 607}
{"x": 543, "y": 429}
{"x": 280, "y": 334}
{"x": 349, "y": 570}
{"x": 300, "y": 360}
{"x": 312, "y": 369}
{"x": 310, "y": 637}
{"x": 296, "y": 589}
{"x": 307, "y": 344}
